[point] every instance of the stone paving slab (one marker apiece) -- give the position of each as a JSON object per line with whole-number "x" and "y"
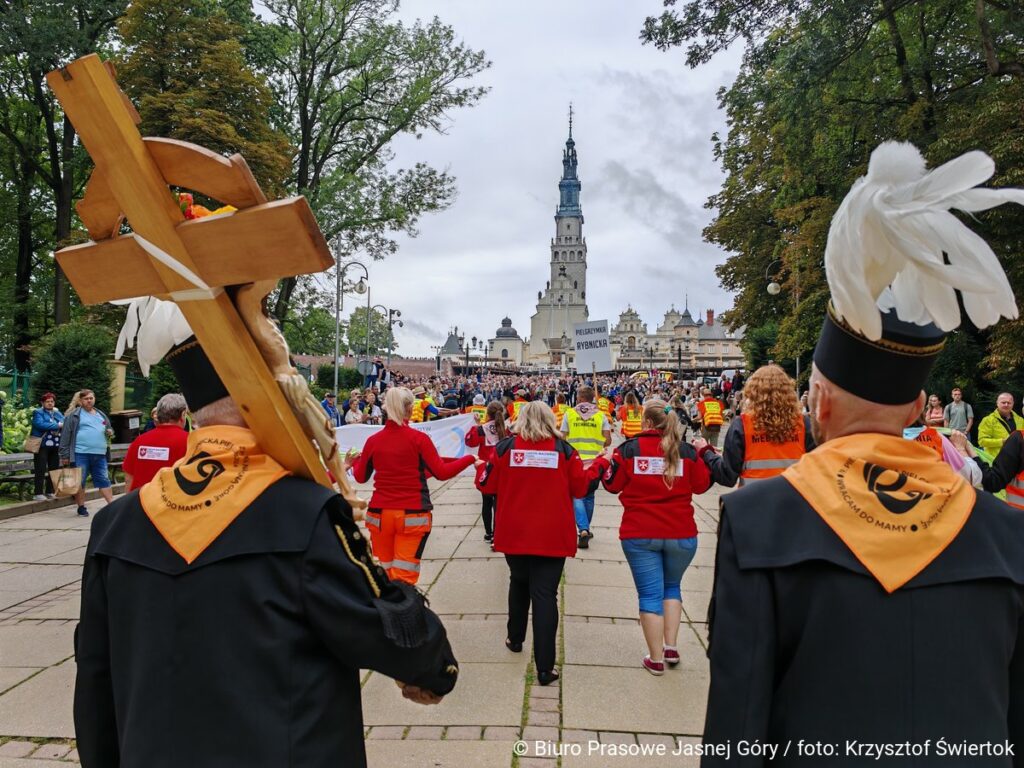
{"x": 591, "y": 757}
{"x": 9, "y": 598}
{"x": 71, "y": 557}
{"x": 672, "y": 703}
{"x": 475, "y": 546}
{"x": 435, "y": 754}
{"x": 618, "y": 645}
{"x": 695, "y": 605}
{"x": 604, "y": 546}
{"x": 487, "y": 694}
{"x": 699, "y": 578}
{"x": 11, "y": 676}
{"x": 615, "y": 602}
{"x": 39, "y": 548}
{"x": 32, "y": 762}
{"x": 70, "y": 608}
{"x": 471, "y": 587}
{"x": 60, "y": 519}
{"x": 591, "y": 573}
{"x": 36, "y": 646}
{"x": 41, "y": 706}
{"x": 474, "y": 640}
{"x": 41, "y": 578}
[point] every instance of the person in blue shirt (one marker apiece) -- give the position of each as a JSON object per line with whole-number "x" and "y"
{"x": 47, "y": 422}
{"x": 332, "y": 409}
{"x": 83, "y": 443}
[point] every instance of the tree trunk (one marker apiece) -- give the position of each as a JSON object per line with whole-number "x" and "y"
{"x": 996, "y": 67}
{"x": 23, "y": 269}
{"x": 906, "y": 79}
{"x": 63, "y": 199}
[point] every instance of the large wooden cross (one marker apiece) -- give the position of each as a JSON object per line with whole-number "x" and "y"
{"x": 261, "y": 241}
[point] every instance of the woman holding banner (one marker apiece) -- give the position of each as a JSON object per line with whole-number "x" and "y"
{"x": 399, "y": 517}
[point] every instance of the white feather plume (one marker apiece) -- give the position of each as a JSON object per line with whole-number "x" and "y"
{"x": 887, "y": 240}
{"x": 155, "y": 326}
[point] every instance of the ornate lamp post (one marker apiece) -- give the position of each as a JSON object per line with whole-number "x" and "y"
{"x": 774, "y": 289}
{"x": 360, "y": 288}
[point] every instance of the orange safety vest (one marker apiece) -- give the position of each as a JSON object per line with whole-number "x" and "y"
{"x": 1015, "y": 491}
{"x": 631, "y": 421}
{"x": 514, "y": 408}
{"x": 930, "y": 437}
{"x": 711, "y": 413}
{"x": 559, "y": 410}
{"x": 762, "y": 458}
{"x": 478, "y": 409}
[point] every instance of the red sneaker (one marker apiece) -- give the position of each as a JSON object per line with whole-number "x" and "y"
{"x": 654, "y": 667}
{"x": 671, "y": 656}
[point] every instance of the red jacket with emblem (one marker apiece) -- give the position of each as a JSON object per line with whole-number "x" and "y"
{"x": 403, "y": 459}
{"x": 536, "y": 483}
{"x": 484, "y": 437}
{"x": 650, "y": 509}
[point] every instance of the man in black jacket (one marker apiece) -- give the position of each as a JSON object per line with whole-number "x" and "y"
{"x": 227, "y": 609}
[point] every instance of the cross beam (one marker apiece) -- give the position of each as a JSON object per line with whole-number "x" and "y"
{"x": 131, "y": 177}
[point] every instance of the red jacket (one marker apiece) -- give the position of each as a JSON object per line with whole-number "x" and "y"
{"x": 650, "y": 510}
{"x": 484, "y": 437}
{"x": 403, "y": 458}
{"x": 151, "y": 451}
{"x": 535, "y": 484}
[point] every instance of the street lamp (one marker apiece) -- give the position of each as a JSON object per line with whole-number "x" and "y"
{"x": 774, "y": 289}
{"x": 359, "y": 288}
{"x": 679, "y": 360}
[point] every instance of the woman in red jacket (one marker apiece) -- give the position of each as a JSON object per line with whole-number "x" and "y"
{"x": 485, "y": 436}
{"x": 655, "y": 475}
{"x": 399, "y": 517}
{"x": 536, "y": 474}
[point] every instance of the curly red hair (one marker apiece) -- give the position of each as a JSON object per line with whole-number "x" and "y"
{"x": 770, "y": 398}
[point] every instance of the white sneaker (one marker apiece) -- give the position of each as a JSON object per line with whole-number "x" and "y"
{"x": 39, "y": 497}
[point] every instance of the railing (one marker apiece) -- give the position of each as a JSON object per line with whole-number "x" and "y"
{"x": 12, "y": 382}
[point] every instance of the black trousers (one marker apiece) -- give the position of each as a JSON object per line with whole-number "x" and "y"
{"x": 534, "y": 579}
{"x": 45, "y": 460}
{"x": 490, "y": 504}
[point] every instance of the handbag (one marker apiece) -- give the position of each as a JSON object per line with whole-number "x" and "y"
{"x": 67, "y": 481}
{"x": 31, "y": 444}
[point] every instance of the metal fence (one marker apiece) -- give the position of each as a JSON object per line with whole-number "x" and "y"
{"x": 17, "y": 385}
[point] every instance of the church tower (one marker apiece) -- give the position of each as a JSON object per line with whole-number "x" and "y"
{"x": 563, "y": 302}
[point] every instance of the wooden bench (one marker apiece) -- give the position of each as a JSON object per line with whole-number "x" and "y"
{"x": 18, "y": 469}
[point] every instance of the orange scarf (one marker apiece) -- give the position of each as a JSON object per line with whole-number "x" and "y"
{"x": 892, "y": 501}
{"x": 222, "y": 473}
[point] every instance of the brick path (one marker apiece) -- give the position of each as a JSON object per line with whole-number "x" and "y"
{"x": 605, "y": 711}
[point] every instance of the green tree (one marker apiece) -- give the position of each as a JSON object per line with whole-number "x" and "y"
{"x": 184, "y": 66}
{"x": 380, "y": 335}
{"x": 757, "y": 344}
{"x": 311, "y": 331}
{"x": 348, "y": 79}
{"x": 74, "y": 356}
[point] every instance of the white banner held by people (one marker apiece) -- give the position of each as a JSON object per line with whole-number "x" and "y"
{"x": 448, "y": 435}
{"x": 590, "y": 342}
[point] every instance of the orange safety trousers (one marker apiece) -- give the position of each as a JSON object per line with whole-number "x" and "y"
{"x": 398, "y": 537}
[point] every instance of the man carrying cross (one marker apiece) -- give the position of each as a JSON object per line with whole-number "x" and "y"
{"x": 229, "y": 604}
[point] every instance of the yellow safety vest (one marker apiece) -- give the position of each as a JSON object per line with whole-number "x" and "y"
{"x": 712, "y": 413}
{"x": 605, "y": 405}
{"x": 516, "y": 405}
{"x": 585, "y": 435}
{"x": 479, "y": 409}
{"x": 418, "y": 407}
{"x": 559, "y": 410}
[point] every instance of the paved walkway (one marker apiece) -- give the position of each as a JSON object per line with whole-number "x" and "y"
{"x": 604, "y": 712}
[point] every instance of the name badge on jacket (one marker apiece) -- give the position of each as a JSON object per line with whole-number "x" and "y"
{"x": 534, "y": 459}
{"x": 154, "y": 453}
{"x": 653, "y": 465}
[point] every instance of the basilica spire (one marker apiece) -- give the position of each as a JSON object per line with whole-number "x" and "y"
{"x": 569, "y": 186}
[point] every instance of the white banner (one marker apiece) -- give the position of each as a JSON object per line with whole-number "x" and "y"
{"x": 590, "y": 342}
{"x": 448, "y": 435}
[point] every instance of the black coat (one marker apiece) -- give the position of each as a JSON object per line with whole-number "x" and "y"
{"x": 805, "y": 644}
{"x": 251, "y": 655}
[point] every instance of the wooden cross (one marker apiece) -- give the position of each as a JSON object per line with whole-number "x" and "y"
{"x": 261, "y": 241}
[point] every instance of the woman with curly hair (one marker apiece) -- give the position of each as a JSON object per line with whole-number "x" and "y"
{"x": 770, "y": 435}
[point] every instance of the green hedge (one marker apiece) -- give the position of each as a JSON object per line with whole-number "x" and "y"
{"x": 74, "y": 356}
{"x": 347, "y": 378}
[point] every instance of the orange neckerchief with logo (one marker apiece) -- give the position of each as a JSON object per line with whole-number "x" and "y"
{"x": 893, "y": 502}
{"x": 222, "y": 473}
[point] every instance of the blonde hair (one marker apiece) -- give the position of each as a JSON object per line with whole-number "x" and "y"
{"x": 662, "y": 417}
{"x": 536, "y": 422}
{"x": 398, "y": 404}
{"x": 771, "y": 402}
{"x": 76, "y": 400}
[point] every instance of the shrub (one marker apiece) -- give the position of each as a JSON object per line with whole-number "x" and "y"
{"x": 17, "y": 424}
{"x": 74, "y": 356}
{"x": 347, "y": 378}
{"x": 162, "y": 381}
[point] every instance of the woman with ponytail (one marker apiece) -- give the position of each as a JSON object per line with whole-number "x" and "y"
{"x": 630, "y": 416}
{"x": 485, "y": 436}
{"x": 656, "y": 475}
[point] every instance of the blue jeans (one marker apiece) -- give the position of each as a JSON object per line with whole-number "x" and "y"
{"x": 93, "y": 465}
{"x": 584, "y": 511}
{"x": 658, "y": 566}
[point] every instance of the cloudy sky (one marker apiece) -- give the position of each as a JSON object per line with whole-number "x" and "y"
{"x": 643, "y": 129}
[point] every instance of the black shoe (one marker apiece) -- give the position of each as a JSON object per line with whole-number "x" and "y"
{"x": 488, "y": 537}
{"x": 584, "y": 541}
{"x": 514, "y": 647}
{"x": 547, "y": 678}
{"x": 83, "y": 512}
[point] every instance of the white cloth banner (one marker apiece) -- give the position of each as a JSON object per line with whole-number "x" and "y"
{"x": 448, "y": 435}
